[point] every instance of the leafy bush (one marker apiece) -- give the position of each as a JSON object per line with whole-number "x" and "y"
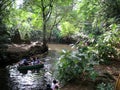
{"x": 104, "y": 86}
{"x": 36, "y": 35}
{"x": 77, "y": 64}
{"x": 106, "y": 52}
{"x": 67, "y": 29}
{"x": 107, "y": 42}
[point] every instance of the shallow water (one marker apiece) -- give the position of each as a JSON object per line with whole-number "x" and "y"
{"x": 12, "y": 79}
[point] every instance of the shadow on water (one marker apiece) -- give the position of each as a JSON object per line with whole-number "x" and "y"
{"x": 4, "y": 79}
{"x": 12, "y": 79}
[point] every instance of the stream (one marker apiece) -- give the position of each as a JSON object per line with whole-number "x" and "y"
{"x": 12, "y": 79}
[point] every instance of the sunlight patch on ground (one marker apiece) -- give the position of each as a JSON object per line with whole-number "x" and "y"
{"x": 20, "y": 47}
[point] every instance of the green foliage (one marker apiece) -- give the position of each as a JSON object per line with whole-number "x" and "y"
{"x": 27, "y": 37}
{"x": 56, "y": 35}
{"x": 107, "y": 42}
{"x": 77, "y": 64}
{"x": 24, "y": 20}
{"x": 88, "y": 9}
{"x": 4, "y": 12}
{"x": 67, "y": 29}
{"x": 36, "y": 35}
{"x": 4, "y": 37}
{"x": 106, "y": 52}
{"x": 110, "y": 9}
{"x": 104, "y": 30}
{"x": 97, "y": 20}
{"x": 105, "y": 86}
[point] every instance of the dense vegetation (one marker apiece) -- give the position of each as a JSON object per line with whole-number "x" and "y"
{"x": 98, "y": 41}
{"x": 4, "y": 35}
{"x": 93, "y": 24}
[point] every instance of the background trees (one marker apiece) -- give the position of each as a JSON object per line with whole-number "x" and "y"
{"x": 95, "y": 22}
{"x": 98, "y": 39}
{"x": 5, "y": 6}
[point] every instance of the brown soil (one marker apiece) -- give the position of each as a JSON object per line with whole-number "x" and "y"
{"x": 86, "y": 85}
{"x": 20, "y": 47}
{"x": 112, "y": 70}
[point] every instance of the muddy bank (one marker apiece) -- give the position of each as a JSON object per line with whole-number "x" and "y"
{"x": 15, "y": 52}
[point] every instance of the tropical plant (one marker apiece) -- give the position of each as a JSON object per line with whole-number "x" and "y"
{"x": 36, "y": 35}
{"x": 105, "y": 86}
{"x": 107, "y": 44}
{"x": 78, "y": 64}
{"x": 67, "y": 29}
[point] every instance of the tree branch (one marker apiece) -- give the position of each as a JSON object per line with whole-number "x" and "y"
{"x": 48, "y": 14}
{"x": 7, "y": 5}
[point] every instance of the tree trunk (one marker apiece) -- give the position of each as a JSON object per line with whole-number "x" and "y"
{"x": 44, "y": 23}
{"x": 44, "y": 34}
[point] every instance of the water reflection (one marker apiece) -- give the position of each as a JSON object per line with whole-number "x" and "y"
{"x": 32, "y": 80}
{"x": 12, "y": 79}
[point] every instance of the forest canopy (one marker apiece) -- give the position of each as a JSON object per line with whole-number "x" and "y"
{"x": 45, "y": 20}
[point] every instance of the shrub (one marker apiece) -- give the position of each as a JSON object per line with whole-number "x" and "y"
{"x": 105, "y": 86}
{"x": 77, "y": 64}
